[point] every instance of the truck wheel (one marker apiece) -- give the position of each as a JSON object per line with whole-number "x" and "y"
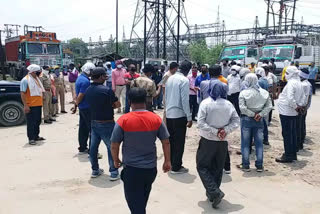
{"x": 11, "y": 113}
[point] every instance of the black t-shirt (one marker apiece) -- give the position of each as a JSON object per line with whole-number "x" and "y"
{"x": 100, "y": 100}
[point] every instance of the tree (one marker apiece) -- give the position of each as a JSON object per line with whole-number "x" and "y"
{"x": 78, "y": 47}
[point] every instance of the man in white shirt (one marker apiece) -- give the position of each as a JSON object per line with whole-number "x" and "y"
{"x": 178, "y": 115}
{"x": 234, "y": 83}
{"x": 255, "y": 104}
{"x": 217, "y": 118}
{"x": 288, "y": 108}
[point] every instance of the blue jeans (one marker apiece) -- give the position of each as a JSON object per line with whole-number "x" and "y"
{"x": 109, "y": 84}
{"x": 127, "y": 107}
{"x": 101, "y": 131}
{"x": 265, "y": 130}
{"x": 250, "y": 127}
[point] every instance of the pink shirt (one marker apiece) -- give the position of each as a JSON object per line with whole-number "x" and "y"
{"x": 118, "y": 77}
{"x": 192, "y": 81}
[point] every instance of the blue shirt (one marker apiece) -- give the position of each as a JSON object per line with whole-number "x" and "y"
{"x": 100, "y": 99}
{"x": 263, "y": 83}
{"x": 82, "y": 84}
{"x": 313, "y": 72}
{"x": 200, "y": 78}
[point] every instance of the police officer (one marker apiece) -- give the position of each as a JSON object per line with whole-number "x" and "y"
{"x": 47, "y": 97}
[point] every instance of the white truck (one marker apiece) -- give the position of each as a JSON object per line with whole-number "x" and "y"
{"x": 291, "y": 49}
{"x": 243, "y": 51}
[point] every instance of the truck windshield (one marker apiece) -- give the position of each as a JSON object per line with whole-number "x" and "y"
{"x": 278, "y": 52}
{"x": 53, "y": 49}
{"x": 233, "y": 53}
{"x": 34, "y": 48}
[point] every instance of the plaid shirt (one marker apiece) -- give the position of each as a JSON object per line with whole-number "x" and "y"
{"x": 144, "y": 82}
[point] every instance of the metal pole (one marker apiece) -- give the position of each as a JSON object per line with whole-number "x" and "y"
{"x": 2, "y": 59}
{"x": 293, "y": 14}
{"x": 178, "y": 36}
{"x": 158, "y": 29}
{"x": 280, "y": 17}
{"x": 164, "y": 29}
{"x": 268, "y": 13}
{"x": 117, "y": 28}
{"x": 145, "y": 34}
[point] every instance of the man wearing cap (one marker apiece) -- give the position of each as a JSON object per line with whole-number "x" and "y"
{"x": 119, "y": 84}
{"x": 234, "y": 83}
{"x": 47, "y": 96}
{"x": 32, "y": 98}
{"x": 101, "y": 101}
{"x": 289, "y": 108}
{"x": 109, "y": 73}
{"x": 60, "y": 90}
{"x": 145, "y": 82}
{"x": 82, "y": 85}
{"x": 73, "y": 76}
{"x": 313, "y": 76}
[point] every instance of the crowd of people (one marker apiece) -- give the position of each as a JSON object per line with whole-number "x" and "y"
{"x": 219, "y": 98}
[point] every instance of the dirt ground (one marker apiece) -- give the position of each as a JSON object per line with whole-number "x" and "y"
{"x": 52, "y": 178}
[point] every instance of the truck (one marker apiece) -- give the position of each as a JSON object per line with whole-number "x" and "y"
{"x": 35, "y": 47}
{"x": 244, "y": 51}
{"x": 291, "y": 48}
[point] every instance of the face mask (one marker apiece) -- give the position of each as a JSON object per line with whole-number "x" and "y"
{"x": 233, "y": 72}
{"x": 119, "y": 66}
{"x": 194, "y": 74}
{"x": 38, "y": 73}
{"x": 108, "y": 66}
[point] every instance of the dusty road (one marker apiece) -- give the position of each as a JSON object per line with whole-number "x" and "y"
{"x": 53, "y": 178}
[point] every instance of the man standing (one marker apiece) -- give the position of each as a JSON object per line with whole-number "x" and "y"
{"x": 101, "y": 101}
{"x": 252, "y": 67}
{"x": 73, "y": 75}
{"x": 119, "y": 84}
{"x": 313, "y": 76}
{"x": 82, "y": 85}
{"x": 145, "y": 82}
{"x": 203, "y": 77}
{"x": 193, "y": 93}
{"x": 138, "y": 131}
{"x": 254, "y": 104}
{"x": 217, "y": 118}
{"x": 225, "y": 68}
{"x": 130, "y": 76}
{"x": 288, "y": 108}
{"x": 234, "y": 83}
{"x": 60, "y": 90}
{"x": 178, "y": 115}
{"x": 31, "y": 95}
{"x": 109, "y": 73}
{"x": 157, "y": 77}
{"x": 47, "y": 96}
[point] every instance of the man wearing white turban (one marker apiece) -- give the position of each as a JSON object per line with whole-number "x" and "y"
{"x": 288, "y": 107}
{"x": 255, "y": 104}
{"x": 32, "y": 91}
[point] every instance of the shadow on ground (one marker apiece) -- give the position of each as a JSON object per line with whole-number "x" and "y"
{"x": 186, "y": 178}
{"x": 224, "y": 207}
{"x": 39, "y": 143}
{"x": 103, "y": 182}
{"x": 82, "y": 158}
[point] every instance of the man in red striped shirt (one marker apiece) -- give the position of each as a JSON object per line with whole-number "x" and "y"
{"x": 138, "y": 130}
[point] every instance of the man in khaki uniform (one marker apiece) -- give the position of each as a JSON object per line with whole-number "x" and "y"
{"x": 146, "y": 83}
{"x": 47, "y": 96}
{"x": 60, "y": 90}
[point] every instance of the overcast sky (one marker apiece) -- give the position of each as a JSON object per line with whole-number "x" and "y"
{"x": 84, "y": 19}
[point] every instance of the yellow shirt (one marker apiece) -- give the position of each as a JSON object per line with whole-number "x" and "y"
{"x": 222, "y": 79}
{"x": 283, "y": 77}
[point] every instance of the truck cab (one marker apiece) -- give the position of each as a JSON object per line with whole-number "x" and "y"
{"x": 244, "y": 53}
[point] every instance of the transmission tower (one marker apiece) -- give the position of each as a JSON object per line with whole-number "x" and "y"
{"x": 159, "y": 21}
{"x": 285, "y": 12}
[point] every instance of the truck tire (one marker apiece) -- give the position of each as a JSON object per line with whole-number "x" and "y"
{"x": 11, "y": 113}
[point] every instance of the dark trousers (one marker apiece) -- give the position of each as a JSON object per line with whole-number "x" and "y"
{"x": 193, "y": 105}
{"x": 84, "y": 129}
{"x": 137, "y": 186}
{"x": 234, "y": 99}
{"x": 303, "y": 128}
{"x": 210, "y": 158}
{"x": 157, "y": 102}
{"x": 313, "y": 83}
{"x": 33, "y": 122}
{"x": 299, "y": 132}
{"x": 177, "y": 129}
{"x": 289, "y": 127}
{"x": 227, "y": 164}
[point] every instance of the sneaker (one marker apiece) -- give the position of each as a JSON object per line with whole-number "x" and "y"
{"x": 244, "y": 168}
{"x": 283, "y": 160}
{"x": 63, "y": 112}
{"x": 97, "y": 173}
{"x": 217, "y": 200}
{"x": 228, "y": 172}
{"x": 83, "y": 152}
{"x": 52, "y": 120}
{"x": 182, "y": 170}
{"x": 265, "y": 142}
{"x": 32, "y": 142}
{"x": 40, "y": 139}
{"x": 209, "y": 197}
{"x": 259, "y": 168}
{"x": 114, "y": 177}
{"x": 47, "y": 121}
{"x": 160, "y": 107}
